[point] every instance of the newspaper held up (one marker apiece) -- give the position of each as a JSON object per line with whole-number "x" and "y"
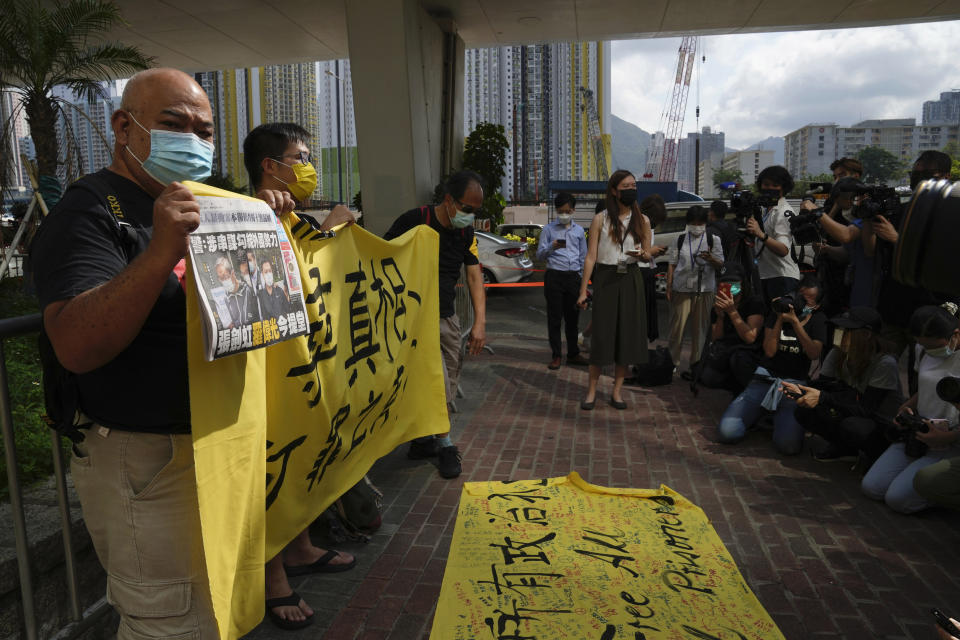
{"x": 247, "y": 277}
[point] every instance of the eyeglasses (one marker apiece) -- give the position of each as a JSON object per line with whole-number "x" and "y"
{"x": 467, "y": 208}
{"x": 302, "y": 156}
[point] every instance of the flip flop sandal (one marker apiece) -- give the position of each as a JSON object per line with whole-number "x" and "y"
{"x": 292, "y": 600}
{"x": 320, "y": 566}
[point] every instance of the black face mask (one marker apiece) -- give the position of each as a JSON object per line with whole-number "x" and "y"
{"x": 628, "y": 197}
{"x": 916, "y": 177}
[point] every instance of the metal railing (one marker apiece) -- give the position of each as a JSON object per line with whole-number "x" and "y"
{"x": 80, "y": 620}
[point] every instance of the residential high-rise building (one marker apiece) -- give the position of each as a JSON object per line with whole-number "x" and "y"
{"x": 242, "y": 99}
{"x": 84, "y": 133}
{"x": 895, "y": 135}
{"x": 810, "y": 150}
{"x": 337, "y": 133}
{"x": 711, "y": 145}
{"x": 545, "y": 97}
{"x": 946, "y": 110}
{"x": 749, "y": 163}
{"x": 14, "y": 176}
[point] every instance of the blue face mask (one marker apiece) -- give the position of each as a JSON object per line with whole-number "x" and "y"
{"x": 940, "y": 352}
{"x": 461, "y": 219}
{"x": 176, "y": 156}
{"x": 735, "y": 289}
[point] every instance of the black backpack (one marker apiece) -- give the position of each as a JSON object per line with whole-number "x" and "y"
{"x": 355, "y": 516}
{"x": 61, "y": 390}
{"x": 657, "y": 371}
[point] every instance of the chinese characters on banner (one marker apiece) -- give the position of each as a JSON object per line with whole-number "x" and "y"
{"x": 280, "y": 433}
{"x": 559, "y": 558}
{"x": 244, "y": 264}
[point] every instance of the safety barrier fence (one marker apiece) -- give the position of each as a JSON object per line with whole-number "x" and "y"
{"x": 80, "y": 620}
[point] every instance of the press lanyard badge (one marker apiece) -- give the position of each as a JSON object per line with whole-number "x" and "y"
{"x": 622, "y": 265}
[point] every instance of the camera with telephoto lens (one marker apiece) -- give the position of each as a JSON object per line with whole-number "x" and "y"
{"x": 880, "y": 200}
{"x": 926, "y": 253}
{"x": 948, "y": 389}
{"x": 785, "y": 303}
{"x": 910, "y": 425}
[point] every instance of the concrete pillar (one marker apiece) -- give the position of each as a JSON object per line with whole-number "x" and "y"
{"x": 409, "y": 128}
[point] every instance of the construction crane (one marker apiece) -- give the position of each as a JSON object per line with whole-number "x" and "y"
{"x": 589, "y": 108}
{"x": 662, "y": 160}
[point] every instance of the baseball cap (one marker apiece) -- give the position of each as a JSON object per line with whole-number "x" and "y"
{"x": 858, "y": 318}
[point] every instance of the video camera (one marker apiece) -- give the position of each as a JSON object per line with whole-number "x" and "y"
{"x": 805, "y": 226}
{"x": 910, "y": 425}
{"x": 880, "y": 200}
{"x": 745, "y": 205}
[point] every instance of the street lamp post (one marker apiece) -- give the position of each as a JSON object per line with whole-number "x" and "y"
{"x": 339, "y": 80}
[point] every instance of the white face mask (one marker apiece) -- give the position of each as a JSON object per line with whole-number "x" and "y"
{"x": 268, "y": 278}
{"x": 696, "y": 230}
{"x": 253, "y": 266}
{"x": 564, "y": 218}
{"x": 227, "y": 285}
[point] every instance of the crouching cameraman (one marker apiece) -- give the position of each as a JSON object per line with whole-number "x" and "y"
{"x": 793, "y": 338}
{"x": 855, "y": 381}
{"x": 940, "y": 482}
{"x": 927, "y": 424}
{"x": 736, "y": 327}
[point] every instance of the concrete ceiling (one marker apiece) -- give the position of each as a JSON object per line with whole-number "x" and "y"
{"x": 197, "y": 35}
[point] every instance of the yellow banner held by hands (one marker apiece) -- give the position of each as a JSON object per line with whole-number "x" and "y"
{"x": 281, "y": 432}
{"x": 559, "y": 559}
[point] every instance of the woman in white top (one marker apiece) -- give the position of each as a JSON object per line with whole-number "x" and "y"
{"x": 891, "y": 477}
{"x": 619, "y": 238}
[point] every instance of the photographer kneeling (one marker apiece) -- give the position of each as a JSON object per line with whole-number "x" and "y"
{"x": 940, "y": 482}
{"x": 791, "y": 342}
{"x": 736, "y": 324}
{"x": 926, "y": 423}
{"x": 855, "y": 380}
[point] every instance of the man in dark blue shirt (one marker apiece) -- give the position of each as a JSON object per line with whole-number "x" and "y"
{"x": 564, "y": 246}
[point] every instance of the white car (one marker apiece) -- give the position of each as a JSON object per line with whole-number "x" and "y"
{"x": 502, "y": 260}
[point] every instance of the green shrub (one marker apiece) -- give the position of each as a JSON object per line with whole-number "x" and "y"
{"x": 31, "y": 434}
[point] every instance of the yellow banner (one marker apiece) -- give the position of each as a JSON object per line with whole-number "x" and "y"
{"x": 562, "y": 559}
{"x": 280, "y": 433}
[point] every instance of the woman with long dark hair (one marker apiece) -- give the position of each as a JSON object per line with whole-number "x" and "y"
{"x": 856, "y": 381}
{"x": 619, "y": 238}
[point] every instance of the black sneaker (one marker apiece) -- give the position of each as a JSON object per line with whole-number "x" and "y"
{"x": 423, "y": 448}
{"x": 835, "y": 453}
{"x": 449, "y": 462}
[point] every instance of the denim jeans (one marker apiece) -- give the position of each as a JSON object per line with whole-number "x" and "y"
{"x": 891, "y": 478}
{"x": 746, "y": 409}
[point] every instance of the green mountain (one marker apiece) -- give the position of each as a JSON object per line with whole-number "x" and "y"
{"x": 630, "y": 144}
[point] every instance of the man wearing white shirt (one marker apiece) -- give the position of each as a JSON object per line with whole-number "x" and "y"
{"x": 779, "y": 274}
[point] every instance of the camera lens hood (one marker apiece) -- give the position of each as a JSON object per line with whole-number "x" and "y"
{"x": 925, "y": 255}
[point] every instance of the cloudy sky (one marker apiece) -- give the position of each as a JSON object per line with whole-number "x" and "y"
{"x": 759, "y": 85}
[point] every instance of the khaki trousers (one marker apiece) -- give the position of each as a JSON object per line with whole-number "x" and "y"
{"x": 689, "y": 308}
{"x": 451, "y": 350}
{"x": 139, "y": 497}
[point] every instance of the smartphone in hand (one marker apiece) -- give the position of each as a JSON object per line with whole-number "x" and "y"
{"x": 944, "y": 623}
{"x": 561, "y": 242}
{"x": 724, "y": 288}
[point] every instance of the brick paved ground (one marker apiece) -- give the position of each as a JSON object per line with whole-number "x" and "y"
{"x": 824, "y": 561}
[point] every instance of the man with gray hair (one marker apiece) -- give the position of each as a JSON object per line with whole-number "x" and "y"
{"x": 108, "y": 265}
